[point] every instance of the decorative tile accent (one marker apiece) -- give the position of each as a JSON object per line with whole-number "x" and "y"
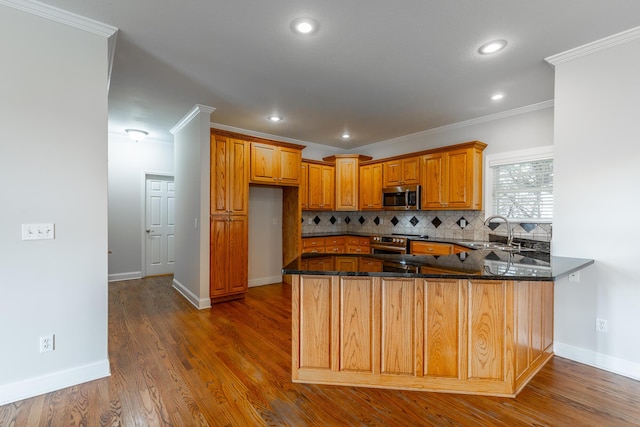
{"x": 493, "y": 225}
{"x": 436, "y": 222}
{"x": 333, "y": 219}
{"x": 414, "y": 221}
{"x": 394, "y": 221}
{"x": 527, "y": 226}
{"x": 462, "y": 222}
{"x": 316, "y": 220}
{"x": 303, "y": 220}
{"x": 347, "y": 219}
{"x": 376, "y": 221}
{"x": 361, "y": 220}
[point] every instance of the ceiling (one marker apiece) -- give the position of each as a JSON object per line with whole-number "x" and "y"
{"x": 378, "y": 69}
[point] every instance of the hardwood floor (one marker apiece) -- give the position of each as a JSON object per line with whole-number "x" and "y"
{"x": 230, "y": 366}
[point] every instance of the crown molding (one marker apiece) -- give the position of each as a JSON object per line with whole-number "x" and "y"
{"x": 62, "y": 16}
{"x": 199, "y": 108}
{"x": 264, "y": 135}
{"x": 593, "y": 47}
{"x": 472, "y": 122}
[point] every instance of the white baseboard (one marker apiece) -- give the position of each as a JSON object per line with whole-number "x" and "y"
{"x": 52, "y": 382}
{"x": 265, "y": 281}
{"x": 598, "y": 360}
{"x": 199, "y": 303}
{"x": 125, "y": 276}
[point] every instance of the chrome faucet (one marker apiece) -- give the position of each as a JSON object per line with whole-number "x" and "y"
{"x": 509, "y": 229}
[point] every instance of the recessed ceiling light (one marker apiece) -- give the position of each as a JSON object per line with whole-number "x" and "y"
{"x": 492, "y": 47}
{"x": 346, "y": 135}
{"x": 275, "y": 119}
{"x": 497, "y": 97}
{"x": 136, "y": 134}
{"x": 304, "y": 25}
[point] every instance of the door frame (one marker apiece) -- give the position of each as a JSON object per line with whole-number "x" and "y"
{"x": 143, "y": 215}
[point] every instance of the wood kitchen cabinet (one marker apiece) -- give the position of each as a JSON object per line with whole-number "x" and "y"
{"x": 472, "y": 336}
{"x": 347, "y": 180}
{"x": 229, "y": 257}
{"x": 358, "y": 245}
{"x": 229, "y": 175}
{"x": 404, "y": 171}
{"x": 320, "y": 186}
{"x": 229, "y": 218}
{"x": 275, "y": 164}
{"x": 371, "y": 186}
{"x": 452, "y": 178}
{"x": 435, "y": 248}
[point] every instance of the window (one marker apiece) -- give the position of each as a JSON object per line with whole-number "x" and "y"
{"x": 520, "y": 185}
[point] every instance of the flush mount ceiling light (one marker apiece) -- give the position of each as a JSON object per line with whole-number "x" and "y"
{"x": 274, "y": 119}
{"x": 492, "y": 47}
{"x": 304, "y": 26}
{"x": 497, "y": 97}
{"x": 136, "y": 134}
{"x": 346, "y": 135}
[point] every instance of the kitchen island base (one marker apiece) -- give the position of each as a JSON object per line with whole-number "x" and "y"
{"x": 484, "y": 337}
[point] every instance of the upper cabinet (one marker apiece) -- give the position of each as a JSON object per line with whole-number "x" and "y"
{"x": 371, "y": 186}
{"x": 347, "y": 180}
{"x": 452, "y": 177}
{"x": 229, "y": 175}
{"x": 404, "y": 171}
{"x": 275, "y": 164}
{"x": 317, "y": 186}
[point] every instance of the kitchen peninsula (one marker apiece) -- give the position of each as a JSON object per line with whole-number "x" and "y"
{"x": 477, "y": 322}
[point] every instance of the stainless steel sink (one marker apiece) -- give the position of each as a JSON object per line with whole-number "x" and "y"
{"x": 495, "y": 246}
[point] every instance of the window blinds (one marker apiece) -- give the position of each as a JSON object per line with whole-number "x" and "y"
{"x": 524, "y": 190}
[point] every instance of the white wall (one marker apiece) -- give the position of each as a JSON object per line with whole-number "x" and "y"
{"x": 128, "y": 163}
{"x": 53, "y": 166}
{"x": 192, "y": 175}
{"x": 597, "y": 173}
{"x": 515, "y": 130}
{"x": 265, "y": 237}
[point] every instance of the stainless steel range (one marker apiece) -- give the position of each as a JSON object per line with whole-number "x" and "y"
{"x": 388, "y": 244}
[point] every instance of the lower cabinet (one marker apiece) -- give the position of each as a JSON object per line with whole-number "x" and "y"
{"x": 462, "y": 336}
{"x": 229, "y": 257}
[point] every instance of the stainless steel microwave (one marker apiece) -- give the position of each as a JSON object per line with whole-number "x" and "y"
{"x": 404, "y": 198}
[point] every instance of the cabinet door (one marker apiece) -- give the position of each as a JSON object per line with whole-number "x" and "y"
{"x": 411, "y": 171}
{"x": 428, "y": 248}
{"x": 458, "y": 178}
{"x": 238, "y": 177}
{"x": 238, "y": 247}
{"x": 219, "y": 265}
{"x": 316, "y": 191}
{"x": 264, "y": 163}
{"x": 328, "y": 187}
{"x": 392, "y": 174}
{"x": 219, "y": 177}
{"x": 371, "y": 186}
{"x": 347, "y": 184}
{"x": 289, "y": 160}
{"x": 304, "y": 186}
{"x": 433, "y": 173}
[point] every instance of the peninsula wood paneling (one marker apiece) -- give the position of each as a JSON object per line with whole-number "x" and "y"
{"x": 486, "y": 330}
{"x": 315, "y": 322}
{"x": 398, "y": 308}
{"x": 443, "y": 345}
{"x": 357, "y": 318}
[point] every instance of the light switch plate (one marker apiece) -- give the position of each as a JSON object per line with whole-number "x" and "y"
{"x": 38, "y": 231}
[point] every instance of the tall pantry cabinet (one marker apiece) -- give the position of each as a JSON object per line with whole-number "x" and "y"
{"x": 229, "y": 248}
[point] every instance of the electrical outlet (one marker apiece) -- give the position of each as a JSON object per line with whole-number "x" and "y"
{"x": 47, "y": 343}
{"x": 601, "y": 325}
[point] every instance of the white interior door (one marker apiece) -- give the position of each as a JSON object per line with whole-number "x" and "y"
{"x": 160, "y": 225}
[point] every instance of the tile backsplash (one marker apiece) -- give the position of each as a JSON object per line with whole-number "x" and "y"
{"x": 467, "y": 225}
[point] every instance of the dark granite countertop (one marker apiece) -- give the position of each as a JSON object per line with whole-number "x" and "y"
{"x": 332, "y": 234}
{"x": 475, "y": 264}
